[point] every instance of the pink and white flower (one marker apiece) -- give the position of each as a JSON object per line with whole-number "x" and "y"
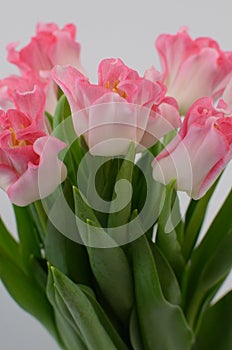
{"x": 200, "y": 151}
{"x": 121, "y": 108}
{"x": 23, "y": 138}
{"x": 49, "y": 47}
{"x": 193, "y": 68}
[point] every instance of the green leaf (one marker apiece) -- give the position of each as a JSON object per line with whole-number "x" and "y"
{"x": 28, "y": 238}
{"x": 26, "y": 293}
{"x": 49, "y": 119}
{"x": 135, "y": 336}
{"x": 104, "y": 319}
{"x": 69, "y": 257}
{"x": 210, "y": 264}
{"x": 112, "y": 272}
{"x": 163, "y": 325}
{"x": 64, "y": 130}
{"x": 39, "y": 216}
{"x": 109, "y": 265}
{"x": 147, "y": 190}
{"x": 39, "y": 271}
{"x": 62, "y": 111}
{"x": 119, "y": 216}
{"x": 166, "y": 238}
{"x": 215, "y": 331}
{"x": 210, "y": 278}
{"x": 68, "y": 335}
{"x": 82, "y": 209}
{"x": 8, "y": 243}
{"x": 68, "y": 331}
{"x": 66, "y": 314}
{"x": 194, "y": 219}
{"x": 168, "y": 281}
{"x": 82, "y": 312}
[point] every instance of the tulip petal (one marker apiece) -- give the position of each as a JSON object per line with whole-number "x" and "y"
{"x": 40, "y": 180}
{"x": 7, "y": 176}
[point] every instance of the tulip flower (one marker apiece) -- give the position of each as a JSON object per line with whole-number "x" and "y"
{"x": 193, "y": 68}
{"x": 13, "y": 83}
{"x": 199, "y": 152}
{"x": 49, "y": 47}
{"x": 26, "y": 149}
{"x": 121, "y": 108}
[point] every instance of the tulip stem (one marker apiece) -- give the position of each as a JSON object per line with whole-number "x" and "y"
{"x": 42, "y": 217}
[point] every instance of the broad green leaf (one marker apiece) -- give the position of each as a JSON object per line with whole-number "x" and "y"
{"x": 49, "y": 119}
{"x": 168, "y": 281}
{"x": 109, "y": 265}
{"x": 112, "y": 272}
{"x": 26, "y": 293}
{"x": 166, "y": 237}
{"x": 210, "y": 263}
{"x": 104, "y": 319}
{"x": 104, "y": 182}
{"x": 28, "y": 238}
{"x": 194, "y": 219}
{"x": 163, "y": 325}
{"x": 135, "y": 336}
{"x": 62, "y": 111}
{"x": 146, "y": 189}
{"x": 8, "y": 243}
{"x": 39, "y": 271}
{"x": 123, "y": 191}
{"x": 212, "y": 275}
{"x": 94, "y": 334}
{"x": 66, "y": 314}
{"x": 69, "y": 257}
{"x": 215, "y": 331}
{"x": 64, "y": 130}
{"x": 69, "y": 333}
{"x": 82, "y": 209}
{"x": 40, "y": 219}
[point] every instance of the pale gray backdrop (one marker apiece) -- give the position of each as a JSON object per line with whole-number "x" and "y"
{"x": 119, "y": 28}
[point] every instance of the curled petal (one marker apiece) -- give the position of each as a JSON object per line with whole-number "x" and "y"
{"x": 41, "y": 179}
{"x": 7, "y": 176}
{"x": 197, "y": 155}
{"x": 32, "y": 104}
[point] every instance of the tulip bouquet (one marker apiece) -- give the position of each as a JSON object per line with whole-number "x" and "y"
{"x": 105, "y": 259}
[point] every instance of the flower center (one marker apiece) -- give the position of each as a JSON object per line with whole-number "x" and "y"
{"x": 114, "y": 88}
{"x": 15, "y": 142}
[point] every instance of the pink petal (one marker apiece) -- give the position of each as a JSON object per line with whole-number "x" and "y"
{"x": 111, "y": 124}
{"x": 111, "y": 70}
{"x": 46, "y": 27}
{"x": 7, "y": 176}
{"x": 160, "y": 123}
{"x": 80, "y": 93}
{"x": 32, "y": 104}
{"x": 196, "y": 76}
{"x": 192, "y": 160}
{"x": 173, "y": 50}
{"x": 65, "y": 51}
{"x": 153, "y": 75}
{"x": 40, "y": 180}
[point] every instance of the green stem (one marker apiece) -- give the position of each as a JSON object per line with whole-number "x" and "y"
{"x": 40, "y": 218}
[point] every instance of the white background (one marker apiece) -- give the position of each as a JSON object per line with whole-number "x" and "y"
{"x": 119, "y": 28}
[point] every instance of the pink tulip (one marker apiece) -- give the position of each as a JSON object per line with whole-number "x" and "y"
{"x": 201, "y": 150}
{"x": 23, "y": 139}
{"x": 193, "y": 68}
{"x": 49, "y": 47}
{"x": 13, "y": 83}
{"x": 121, "y": 108}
